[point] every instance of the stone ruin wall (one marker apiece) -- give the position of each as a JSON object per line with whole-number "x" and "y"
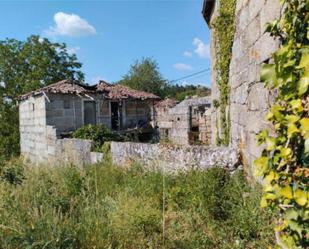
{"x": 173, "y": 158}
{"x": 250, "y": 100}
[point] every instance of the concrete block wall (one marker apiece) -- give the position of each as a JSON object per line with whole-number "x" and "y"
{"x": 64, "y": 112}
{"x": 33, "y": 127}
{"x": 39, "y": 141}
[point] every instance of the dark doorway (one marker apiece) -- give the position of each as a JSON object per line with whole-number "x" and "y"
{"x": 115, "y": 115}
{"x": 89, "y": 112}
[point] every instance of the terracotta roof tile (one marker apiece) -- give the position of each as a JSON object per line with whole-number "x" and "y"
{"x": 110, "y": 91}
{"x": 115, "y": 91}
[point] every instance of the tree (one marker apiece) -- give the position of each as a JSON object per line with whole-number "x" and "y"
{"x": 180, "y": 92}
{"x": 25, "y": 66}
{"x": 144, "y": 75}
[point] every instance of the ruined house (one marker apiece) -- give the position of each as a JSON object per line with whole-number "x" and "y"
{"x": 52, "y": 112}
{"x": 185, "y": 123}
{"x": 249, "y": 99}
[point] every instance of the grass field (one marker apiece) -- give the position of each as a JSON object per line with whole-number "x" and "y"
{"x": 104, "y": 206}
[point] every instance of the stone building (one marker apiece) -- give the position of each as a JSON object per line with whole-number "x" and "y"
{"x": 185, "y": 123}
{"x": 49, "y": 114}
{"x": 163, "y": 119}
{"x": 249, "y": 100}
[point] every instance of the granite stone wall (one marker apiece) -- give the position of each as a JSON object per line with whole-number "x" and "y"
{"x": 249, "y": 99}
{"x": 173, "y": 158}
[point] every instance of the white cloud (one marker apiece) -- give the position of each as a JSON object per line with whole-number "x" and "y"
{"x": 201, "y": 49}
{"x": 187, "y": 54}
{"x": 183, "y": 67}
{"x": 70, "y": 25}
{"x": 73, "y": 50}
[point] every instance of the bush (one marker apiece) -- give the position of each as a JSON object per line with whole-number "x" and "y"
{"x": 12, "y": 171}
{"x": 104, "y": 206}
{"x": 99, "y": 134}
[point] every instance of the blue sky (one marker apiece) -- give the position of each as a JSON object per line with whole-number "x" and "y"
{"x": 108, "y": 36}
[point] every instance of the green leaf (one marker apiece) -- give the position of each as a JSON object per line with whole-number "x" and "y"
{"x": 292, "y": 119}
{"x": 303, "y": 83}
{"x": 261, "y": 137}
{"x": 286, "y": 192}
{"x": 261, "y": 165}
{"x": 268, "y": 74}
{"x": 307, "y": 145}
{"x": 296, "y": 105}
{"x": 295, "y": 227}
{"x": 301, "y": 197}
{"x": 305, "y": 124}
{"x": 285, "y": 152}
{"x": 270, "y": 143}
{"x": 304, "y": 62}
{"x": 276, "y": 111}
{"x": 292, "y": 129}
{"x": 291, "y": 214}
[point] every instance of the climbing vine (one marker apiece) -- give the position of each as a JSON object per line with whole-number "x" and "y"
{"x": 224, "y": 29}
{"x": 284, "y": 164}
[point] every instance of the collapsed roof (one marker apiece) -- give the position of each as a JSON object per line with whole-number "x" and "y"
{"x": 109, "y": 91}
{"x": 116, "y": 91}
{"x": 167, "y": 103}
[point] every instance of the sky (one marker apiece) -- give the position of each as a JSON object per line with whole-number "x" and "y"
{"x": 108, "y": 36}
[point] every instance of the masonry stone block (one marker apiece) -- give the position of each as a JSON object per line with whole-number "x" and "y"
{"x": 253, "y": 31}
{"x": 265, "y": 46}
{"x": 244, "y": 18}
{"x": 255, "y": 7}
{"x": 258, "y": 98}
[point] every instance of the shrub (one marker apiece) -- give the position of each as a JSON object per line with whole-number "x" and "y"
{"x": 12, "y": 171}
{"x": 99, "y": 134}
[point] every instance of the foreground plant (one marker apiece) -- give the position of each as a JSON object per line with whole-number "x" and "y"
{"x": 285, "y": 159}
{"x": 109, "y": 207}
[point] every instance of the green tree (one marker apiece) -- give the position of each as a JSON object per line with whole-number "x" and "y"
{"x": 144, "y": 75}
{"x": 25, "y": 66}
{"x": 180, "y": 92}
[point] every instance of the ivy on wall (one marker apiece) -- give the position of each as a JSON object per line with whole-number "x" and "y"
{"x": 284, "y": 164}
{"x": 224, "y": 30}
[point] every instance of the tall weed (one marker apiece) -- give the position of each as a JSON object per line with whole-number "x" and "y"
{"x": 105, "y": 206}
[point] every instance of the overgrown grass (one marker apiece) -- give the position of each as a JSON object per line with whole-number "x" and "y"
{"x": 108, "y": 207}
